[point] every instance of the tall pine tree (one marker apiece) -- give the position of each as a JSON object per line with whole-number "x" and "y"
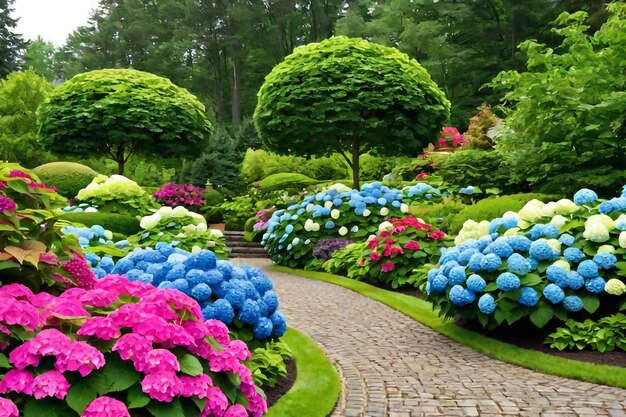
{"x": 11, "y": 43}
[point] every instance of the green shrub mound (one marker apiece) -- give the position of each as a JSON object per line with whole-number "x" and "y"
{"x": 67, "y": 177}
{"x": 285, "y": 181}
{"x": 117, "y": 223}
{"x": 493, "y": 207}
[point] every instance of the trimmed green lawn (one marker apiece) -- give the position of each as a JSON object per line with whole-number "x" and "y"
{"x": 421, "y": 311}
{"x": 317, "y": 386}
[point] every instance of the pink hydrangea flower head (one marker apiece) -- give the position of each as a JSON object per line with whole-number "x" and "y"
{"x": 153, "y": 328}
{"x": 240, "y": 350}
{"x": 158, "y": 361}
{"x": 18, "y": 312}
{"x": 64, "y": 308}
{"x": 80, "y": 357}
{"x": 159, "y": 307}
{"x": 177, "y": 299}
{"x": 16, "y": 173}
{"x": 99, "y": 327}
{"x": 16, "y": 291}
{"x": 222, "y": 361}
{"x": 216, "y": 404}
{"x": 106, "y": 407}
{"x": 79, "y": 270}
{"x": 196, "y": 329}
{"x": 218, "y": 331}
{"x": 49, "y": 342}
{"x": 132, "y": 347}
{"x": 236, "y": 410}
{"x": 50, "y": 384}
{"x": 16, "y": 380}
{"x": 375, "y": 257}
{"x": 42, "y": 300}
{"x": 8, "y": 408}
{"x": 98, "y": 298}
{"x": 412, "y": 245}
{"x": 195, "y": 386}
{"x": 437, "y": 235}
{"x": 129, "y": 315}
{"x": 257, "y": 406}
{"x": 387, "y": 266}
{"x": 21, "y": 357}
{"x": 161, "y": 386}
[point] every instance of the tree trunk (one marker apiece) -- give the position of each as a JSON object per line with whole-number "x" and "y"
{"x": 235, "y": 82}
{"x": 120, "y": 159}
{"x": 355, "y": 161}
{"x": 219, "y": 92}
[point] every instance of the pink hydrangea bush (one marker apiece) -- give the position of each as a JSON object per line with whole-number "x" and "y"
{"x": 174, "y": 195}
{"x": 117, "y": 349}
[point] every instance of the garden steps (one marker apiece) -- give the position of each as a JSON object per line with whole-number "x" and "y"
{"x": 240, "y": 248}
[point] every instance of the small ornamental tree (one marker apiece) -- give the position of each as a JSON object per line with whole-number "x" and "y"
{"x": 118, "y": 112}
{"x": 349, "y": 96}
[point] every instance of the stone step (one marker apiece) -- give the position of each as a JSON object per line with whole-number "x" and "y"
{"x": 243, "y": 244}
{"x": 256, "y": 251}
{"x": 248, "y": 255}
{"x": 228, "y": 233}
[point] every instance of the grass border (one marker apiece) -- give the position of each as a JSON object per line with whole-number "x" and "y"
{"x": 317, "y": 386}
{"x": 421, "y": 311}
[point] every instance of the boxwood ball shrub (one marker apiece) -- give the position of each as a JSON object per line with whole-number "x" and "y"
{"x": 119, "y": 112}
{"x": 67, "y": 177}
{"x": 115, "y": 222}
{"x": 548, "y": 261}
{"x": 349, "y": 94}
{"x": 239, "y": 296}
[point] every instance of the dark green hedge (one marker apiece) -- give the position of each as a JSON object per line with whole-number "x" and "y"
{"x": 117, "y": 223}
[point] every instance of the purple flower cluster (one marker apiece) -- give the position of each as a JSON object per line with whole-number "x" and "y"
{"x": 174, "y": 195}
{"x": 325, "y": 247}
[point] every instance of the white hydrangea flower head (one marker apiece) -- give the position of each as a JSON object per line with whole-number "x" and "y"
{"x": 366, "y": 212}
{"x": 615, "y": 287}
{"x": 548, "y": 210}
{"x": 384, "y": 211}
{"x": 603, "y": 219}
{"x": 328, "y": 204}
{"x": 309, "y": 207}
{"x": 334, "y": 213}
{"x": 596, "y": 232}
{"x": 404, "y": 208}
{"x": 384, "y": 226}
{"x": 563, "y": 264}
{"x": 566, "y": 206}
{"x": 606, "y": 249}
{"x": 622, "y": 240}
{"x": 340, "y": 188}
{"x": 558, "y": 221}
{"x": 343, "y": 231}
{"x": 532, "y": 211}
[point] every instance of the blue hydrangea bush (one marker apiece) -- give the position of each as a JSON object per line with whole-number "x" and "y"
{"x": 338, "y": 212}
{"x": 548, "y": 261}
{"x": 238, "y": 295}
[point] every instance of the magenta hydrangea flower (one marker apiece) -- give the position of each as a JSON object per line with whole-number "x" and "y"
{"x": 132, "y": 347}
{"x": 158, "y": 361}
{"x": 64, "y": 307}
{"x": 180, "y": 194}
{"x": 49, "y": 342}
{"x": 153, "y": 328}
{"x": 177, "y": 299}
{"x": 218, "y": 330}
{"x": 21, "y": 357}
{"x": 16, "y": 173}
{"x": 195, "y": 385}
{"x": 161, "y": 386}
{"x": 222, "y": 361}
{"x": 79, "y": 270}
{"x": 7, "y": 408}
{"x": 100, "y": 327}
{"x": 16, "y": 291}
{"x": 98, "y": 298}
{"x": 196, "y": 329}
{"x": 50, "y": 384}
{"x": 42, "y": 300}
{"x": 17, "y": 312}
{"x": 236, "y": 410}
{"x": 80, "y": 357}
{"x": 17, "y": 381}
{"x": 216, "y": 404}
{"x": 178, "y": 336}
{"x": 106, "y": 407}
{"x": 160, "y": 307}
{"x": 257, "y": 405}
{"x": 240, "y": 350}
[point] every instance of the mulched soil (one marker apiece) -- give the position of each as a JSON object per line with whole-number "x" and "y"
{"x": 529, "y": 337}
{"x": 283, "y": 385}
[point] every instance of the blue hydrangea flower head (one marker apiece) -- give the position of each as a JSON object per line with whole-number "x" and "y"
{"x": 483, "y": 242}
{"x": 263, "y": 329}
{"x": 519, "y": 243}
{"x": 518, "y": 264}
{"x": 432, "y": 273}
{"x": 550, "y": 231}
{"x": 501, "y": 248}
{"x": 236, "y": 297}
{"x": 133, "y": 274}
{"x": 249, "y": 312}
{"x": 448, "y": 266}
{"x": 456, "y": 275}
{"x": 573, "y": 303}
{"x": 122, "y": 266}
{"x": 567, "y": 239}
{"x": 449, "y": 254}
{"x": 280, "y": 326}
{"x": 553, "y": 293}
{"x": 466, "y": 255}
{"x": 541, "y": 251}
{"x": 528, "y": 297}
{"x": 573, "y": 254}
{"x": 533, "y": 263}
{"x": 107, "y": 264}
{"x": 607, "y": 207}
{"x": 271, "y": 300}
{"x": 605, "y": 260}
{"x": 329, "y": 224}
{"x": 145, "y": 278}
{"x": 508, "y": 281}
{"x": 201, "y": 292}
{"x": 460, "y": 296}
{"x": 99, "y": 272}
{"x": 238, "y": 273}
{"x": 213, "y": 277}
{"x": 262, "y": 283}
{"x": 585, "y": 196}
{"x": 595, "y": 285}
{"x": 225, "y": 267}
{"x": 439, "y": 284}
{"x": 495, "y": 224}
{"x": 475, "y": 283}
{"x": 575, "y": 281}
{"x": 536, "y": 232}
{"x": 224, "y": 312}
{"x": 510, "y": 222}
{"x": 588, "y": 269}
{"x": 195, "y": 277}
{"x": 475, "y": 261}
{"x": 490, "y": 262}
{"x": 555, "y": 273}
{"x": 486, "y": 304}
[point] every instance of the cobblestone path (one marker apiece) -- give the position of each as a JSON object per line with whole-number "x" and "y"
{"x": 393, "y": 366}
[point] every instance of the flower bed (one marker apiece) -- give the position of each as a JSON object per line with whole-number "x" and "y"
{"x": 174, "y": 195}
{"x": 116, "y": 194}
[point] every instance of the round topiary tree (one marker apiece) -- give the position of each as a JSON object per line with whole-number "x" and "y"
{"x": 119, "y": 112}
{"x": 349, "y": 96}
{"x": 67, "y": 177}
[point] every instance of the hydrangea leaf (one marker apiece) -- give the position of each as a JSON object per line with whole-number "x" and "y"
{"x": 80, "y": 395}
{"x": 4, "y": 361}
{"x": 161, "y": 409}
{"x": 136, "y": 398}
{"x": 119, "y": 375}
{"x": 190, "y": 365}
{"x": 622, "y": 304}
{"x": 590, "y": 302}
{"x": 48, "y": 408}
{"x": 542, "y": 315}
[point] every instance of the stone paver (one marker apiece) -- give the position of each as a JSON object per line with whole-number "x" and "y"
{"x": 393, "y": 366}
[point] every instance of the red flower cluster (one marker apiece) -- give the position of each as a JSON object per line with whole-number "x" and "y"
{"x": 174, "y": 195}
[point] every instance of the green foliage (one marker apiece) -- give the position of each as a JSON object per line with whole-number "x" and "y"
{"x": 568, "y": 105}
{"x": 492, "y": 207}
{"x": 374, "y": 168}
{"x": 440, "y": 214}
{"x": 20, "y": 95}
{"x": 289, "y": 182}
{"x": 314, "y": 101}
{"x": 268, "y": 363}
{"x": 212, "y": 197}
{"x": 68, "y": 177}
{"x": 117, "y": 194}
{"x": 33, "y": 249}
{"x": 11, "y": 43}
{"x": 345, "y": 261}
{"x": 116, "y": 113}
{"x": 40, "y": 57}
{"x": 258, "y": 164}
{"x": 476, "y": 167}
{"x": 325, "y": 168}
{"x": 604, "y": 335}
{"x": 115, "y": 222}
{"x": 150, "y": 174}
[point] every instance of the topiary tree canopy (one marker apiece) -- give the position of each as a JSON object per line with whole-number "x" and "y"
{"x": 119, "y": 112}
{"x": 349, "y": 96}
